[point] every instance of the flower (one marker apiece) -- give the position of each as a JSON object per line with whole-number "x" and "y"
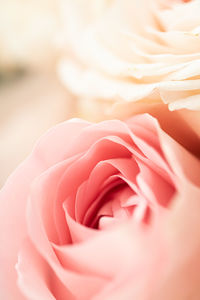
{"x": 119, "y": 52}
{"x": 90, "y": 214}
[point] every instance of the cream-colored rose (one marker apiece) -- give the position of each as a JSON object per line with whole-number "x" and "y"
{"x": 124, "y": 51}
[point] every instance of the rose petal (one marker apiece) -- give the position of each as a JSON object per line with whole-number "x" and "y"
{"x": 38, "y": 282}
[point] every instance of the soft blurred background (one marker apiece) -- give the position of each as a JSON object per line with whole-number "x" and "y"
{"x": 32, "y": 99}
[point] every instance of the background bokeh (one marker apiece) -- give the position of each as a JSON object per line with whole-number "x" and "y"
{"x": 31, "y": 97}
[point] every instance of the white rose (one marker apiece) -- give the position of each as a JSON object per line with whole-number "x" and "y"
{"x": 125, "y": 51}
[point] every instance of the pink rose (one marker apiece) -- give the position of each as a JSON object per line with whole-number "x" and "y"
{"x": 102, "y": 211}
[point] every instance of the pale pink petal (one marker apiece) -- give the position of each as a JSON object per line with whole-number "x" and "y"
{"x": 13, "y": 199}
{"x": 38, "y": 281}
{"x": 14, "y": 195}
{"x": 182, "y": 232}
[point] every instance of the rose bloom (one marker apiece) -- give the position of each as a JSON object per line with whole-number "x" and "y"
{"x": 125, "y": 51}
{"x": 103, "y": 211}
